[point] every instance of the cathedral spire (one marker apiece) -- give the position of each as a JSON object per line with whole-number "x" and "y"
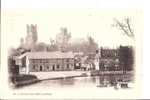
{"x": 31, "y": 37}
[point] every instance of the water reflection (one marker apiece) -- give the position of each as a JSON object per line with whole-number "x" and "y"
{"x": 116, "y": 81}
{"x": 66, "y": 81}
{"x": 105, "y": 81}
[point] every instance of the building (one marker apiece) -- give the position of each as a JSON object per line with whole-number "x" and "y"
{"x": 78, "y": 56}
{"x": 126, "y": 58}
{"x": 97, "y": 60}
{"x": 109, "y": 53}
{"x": 45, "y": 61}
{"x": 121, "y": 58}
{"x": 31, "y": 38}
{"x": 107, "y": 59}
{"x": 62, "y": 39}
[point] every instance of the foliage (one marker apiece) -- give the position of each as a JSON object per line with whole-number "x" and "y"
{"x": 40, "y": 47}
{"x": 86, "y": 46}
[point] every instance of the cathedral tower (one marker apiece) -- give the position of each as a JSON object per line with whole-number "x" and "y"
{"x": 31, "y": 37}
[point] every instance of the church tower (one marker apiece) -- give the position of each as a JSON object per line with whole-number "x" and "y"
{"x": 31, "y": 37}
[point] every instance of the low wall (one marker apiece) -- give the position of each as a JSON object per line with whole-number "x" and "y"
{"x": 59, "y": 74}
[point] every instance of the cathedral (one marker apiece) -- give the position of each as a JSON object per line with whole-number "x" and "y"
{"x": 31, "y": 38}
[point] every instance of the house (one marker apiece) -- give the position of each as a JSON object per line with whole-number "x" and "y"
{"x": 45, "y": 61}
{"x": 109, "y": 59}
{"x": 78, "y": 56}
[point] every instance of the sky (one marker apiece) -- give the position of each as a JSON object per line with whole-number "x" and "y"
{"x": 81, "y": 22}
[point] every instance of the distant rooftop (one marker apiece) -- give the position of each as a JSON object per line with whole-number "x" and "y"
{"x": 47, "y": 55}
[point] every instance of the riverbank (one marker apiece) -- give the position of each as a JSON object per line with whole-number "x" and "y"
{"x": 60, "y": 74}
{"x": 34, "y": 77}
{"x": 97, "y": 72}
{"x": 71, "y": 74}
{"x": 23, "y": 79}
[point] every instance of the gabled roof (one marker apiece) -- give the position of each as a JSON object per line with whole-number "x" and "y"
{"x": 21, "y": 56}
{"x": 47, "y": 55}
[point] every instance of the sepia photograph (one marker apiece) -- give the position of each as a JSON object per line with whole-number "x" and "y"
{"x": 72, "y": 53}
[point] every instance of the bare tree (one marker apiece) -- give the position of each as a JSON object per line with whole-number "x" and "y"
{"x": 53, "y": 46}
{"x": 125, "y": 26}
{"x": 41, "y": 46}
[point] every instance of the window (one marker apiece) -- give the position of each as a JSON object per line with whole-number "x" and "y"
{"x": 40, "y": 60}
{"x": 67, "y": 60}
{"x": 33, "y": 61}
{"x": 57, "y": 66}
{"x": 67, "y": 65}
{"x": 46, "y": 61}
{"x": 34, "y": 67}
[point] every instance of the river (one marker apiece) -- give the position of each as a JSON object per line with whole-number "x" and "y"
{"x": 105, "y": 81}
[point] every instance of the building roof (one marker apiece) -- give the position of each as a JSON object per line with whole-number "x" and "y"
{"x": 47, "y": 55}
{"x": 21, "y": 56}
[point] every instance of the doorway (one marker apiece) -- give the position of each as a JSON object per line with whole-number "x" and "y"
{"x": 53, "y": 68}
{"x": 41, "y": 68}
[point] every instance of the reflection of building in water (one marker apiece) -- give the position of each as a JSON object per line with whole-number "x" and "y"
{"x": 67, "y": 81}
{"x": 46, "y": 61}
{"x": 104, "y": 81}
{"x": 109, "y": 80}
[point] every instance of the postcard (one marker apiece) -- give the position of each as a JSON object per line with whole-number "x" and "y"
{"x": 82, "y": 53}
